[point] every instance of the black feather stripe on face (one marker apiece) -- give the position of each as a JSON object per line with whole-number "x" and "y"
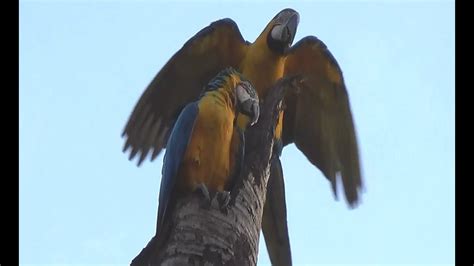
{"x": 276, "y": 46}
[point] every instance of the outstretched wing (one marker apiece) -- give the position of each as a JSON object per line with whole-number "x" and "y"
{"x": 175, "y": 149}
{"x": 179, "y": 82}
{"x": 318, "y": 117}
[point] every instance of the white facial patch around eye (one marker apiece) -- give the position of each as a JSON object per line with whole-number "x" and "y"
{"x": 277, "y": 31}
{"x": 242, "y": 94}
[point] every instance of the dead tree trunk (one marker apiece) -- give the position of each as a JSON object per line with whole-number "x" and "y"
{"x": 200, "y": 236}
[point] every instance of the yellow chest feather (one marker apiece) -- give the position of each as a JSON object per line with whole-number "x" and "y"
{"x": 207, "y": 157}
{"x": 263, "y": 69}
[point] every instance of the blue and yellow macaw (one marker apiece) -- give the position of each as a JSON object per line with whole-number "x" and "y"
{"x": 317, "y": 118}
{"x": 205, "y": 149}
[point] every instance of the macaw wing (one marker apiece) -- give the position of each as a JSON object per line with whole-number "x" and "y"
{"x": 179, "y": 82}
{"x": 318, "y": 117}
{"x": 175, "y": 149}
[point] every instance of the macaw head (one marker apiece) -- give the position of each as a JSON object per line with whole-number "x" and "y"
{"x": 281, "y": 30}
{"x": 231, "y": 82}
{"x": 247, "y": 101}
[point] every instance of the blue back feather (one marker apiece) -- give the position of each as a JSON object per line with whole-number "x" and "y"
{"x": 175, "y": 149}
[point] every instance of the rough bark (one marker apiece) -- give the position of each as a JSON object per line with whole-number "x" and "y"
{"x": 200, "y": 236}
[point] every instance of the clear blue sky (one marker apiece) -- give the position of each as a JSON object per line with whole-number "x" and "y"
{"x": 84, "y": 64}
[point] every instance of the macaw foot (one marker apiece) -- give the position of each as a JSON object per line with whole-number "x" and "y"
{"x": 223, "y": 199}
{"x": 206, "y": 204}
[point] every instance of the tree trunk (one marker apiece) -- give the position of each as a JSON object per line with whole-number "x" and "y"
{"x": 200, "y": 236}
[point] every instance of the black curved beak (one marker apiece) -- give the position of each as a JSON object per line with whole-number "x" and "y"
{"x": 284, "y": 30}
{"x": 251, "y": 108}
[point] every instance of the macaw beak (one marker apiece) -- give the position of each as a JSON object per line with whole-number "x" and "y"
{"x": 251, "y": 109}
{"x": 284, "y": 30}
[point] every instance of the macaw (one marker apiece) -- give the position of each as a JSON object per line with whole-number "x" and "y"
{"x": 317, "y": 117}
{"x": 205, "y": 150}
{"x": 206, "y": 147}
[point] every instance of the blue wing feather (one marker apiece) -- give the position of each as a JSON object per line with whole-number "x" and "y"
{"x": 175, "y": 149}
